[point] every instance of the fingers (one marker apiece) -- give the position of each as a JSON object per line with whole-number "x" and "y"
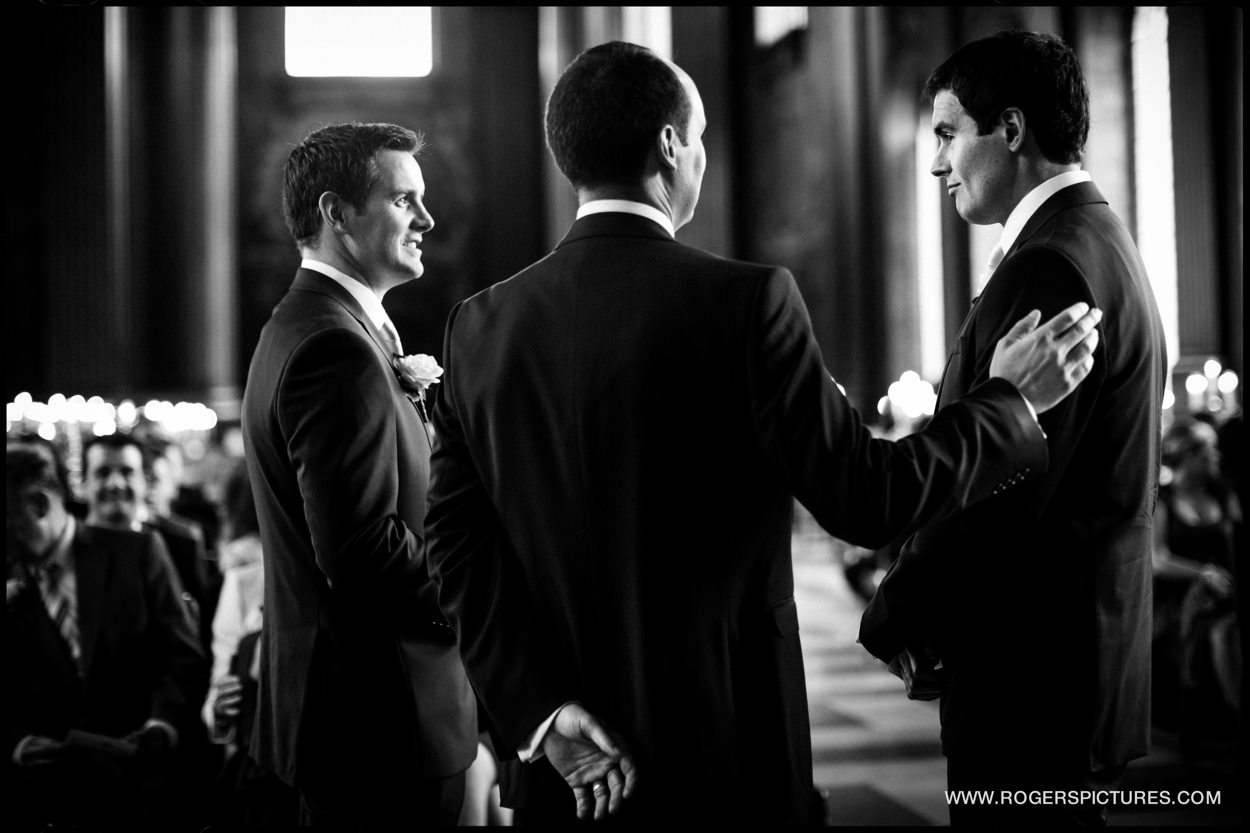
{"x": 616, "y": 787}
{"x": 602, "y": 796}
{"x": 1064, "y": 319}
{"x": 1023, "y": 327}
{"x": 1071, "y": 325}
{"x": 585, "y": 803}
{"x": 630, "y": 770}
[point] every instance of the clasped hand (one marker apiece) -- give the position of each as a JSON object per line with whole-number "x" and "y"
{"x": 592, "y": 760}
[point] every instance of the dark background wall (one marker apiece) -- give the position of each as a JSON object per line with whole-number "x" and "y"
{"x": 122, "y": 282}
{"x": 482, "y": 164}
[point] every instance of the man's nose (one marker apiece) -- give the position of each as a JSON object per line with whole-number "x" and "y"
{"x": 423, "y": 220}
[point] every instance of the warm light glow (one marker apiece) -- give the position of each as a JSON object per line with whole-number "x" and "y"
{"x": 127, "y": 413}
{"x": 912, "y": 395}
{"x": 23, "y": 399}
{"x": 930, "y": 286}
{"x": 104, "y": 427}
{"x": 47, "y": 430}
{"x": 1169, "y": 399}
{"x": 1196, "y": 384}
{"x": 1156, "y": 196}
{"x": 772, "y": 23}
{"x": 361, "y": 41}
{"x": 1227, "y": 382}
{"x": 649, "y": 26}
{"x": 1211, "y": 368}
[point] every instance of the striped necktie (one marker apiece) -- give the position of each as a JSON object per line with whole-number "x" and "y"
{"x": 996, "y": 257}
{"x": 392, "y": 337}
{"x": 59, "y": 599}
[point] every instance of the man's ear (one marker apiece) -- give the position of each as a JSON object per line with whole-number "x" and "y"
{"x": 666, "y": 147}
{"x": 332, "y": 208}
{"x": 1013, "y": 122}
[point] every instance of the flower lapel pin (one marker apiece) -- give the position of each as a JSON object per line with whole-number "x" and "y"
{"x": 416, "y": 374}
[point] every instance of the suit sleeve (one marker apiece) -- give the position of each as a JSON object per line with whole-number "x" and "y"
{"x": 900, "y": 613}
{"x": 334, "y": 407}
{"x": 182, "y": 677}
{"x": 862, "y": 489}
{"x": 1044, "y": 279}
{"x": 482, "y": 589}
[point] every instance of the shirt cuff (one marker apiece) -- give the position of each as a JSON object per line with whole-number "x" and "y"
{"x": 532, "y": 749}
{"x": 167, "y": 728}
{"x": 1032, "y": 411}
{"x": 21, "y": 747}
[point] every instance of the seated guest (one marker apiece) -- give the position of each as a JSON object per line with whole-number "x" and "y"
{"x": 1197, "y": 639}
{"x": 249, "y": 794}
{"x": 98, "y": 648}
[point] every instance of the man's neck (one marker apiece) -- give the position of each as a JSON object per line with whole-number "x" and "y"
{"x": 331, "y": 257}
{"x": 646, "y": 194}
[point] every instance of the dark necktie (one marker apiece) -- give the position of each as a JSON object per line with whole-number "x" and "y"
{"x": 62, "y": 605}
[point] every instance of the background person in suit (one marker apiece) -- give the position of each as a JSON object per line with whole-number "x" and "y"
{"x": 96, "y": 639}
{"x": 363, "y": 703}
{"x": 1037, "y": 602}
{"x": 116, "y": 470}
{"x": 621, "y": 431}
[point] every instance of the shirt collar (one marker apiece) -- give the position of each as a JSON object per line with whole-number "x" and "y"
{"x": 60, "y": 553}
{"x": 639, "y": 209}
{"x": 364, "y": 296}
{"x": 1033, "y": 200}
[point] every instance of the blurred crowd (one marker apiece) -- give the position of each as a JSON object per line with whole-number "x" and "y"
{"x": 134, "y": 608}
{"x": 142, "y": 704}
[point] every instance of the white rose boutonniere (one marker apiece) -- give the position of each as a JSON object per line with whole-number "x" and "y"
{"x": 416, "y": 375}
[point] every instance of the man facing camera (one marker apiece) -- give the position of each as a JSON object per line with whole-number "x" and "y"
{"x": 622, "y": 429}
{"x": 98, "y": 648}
{"x": 363, "y": 704}
{"x": 1036, "y": 603}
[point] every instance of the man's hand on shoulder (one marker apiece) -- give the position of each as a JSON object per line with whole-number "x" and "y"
{"x": 592, "y": 759}
{"x": 1046, "y": 363}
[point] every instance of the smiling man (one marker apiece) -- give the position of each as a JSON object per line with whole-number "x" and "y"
{"x": 1037, "y": 601}
{"x": 364, "y": 706}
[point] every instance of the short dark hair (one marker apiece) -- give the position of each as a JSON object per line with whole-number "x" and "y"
{"x": 31, "y": 461}
{"x": 1034, "y": 71}
{"x": 117, "y": 441}
{"x": 607, "y": 108}
{"x": 341, "y": 158}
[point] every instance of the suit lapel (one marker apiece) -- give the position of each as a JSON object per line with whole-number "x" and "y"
{"x": 93, "y": 568}
{"x": 1082, "y": 193}
{"x": 306, "y": 280}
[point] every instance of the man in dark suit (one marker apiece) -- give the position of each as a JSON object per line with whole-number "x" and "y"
{"x": 1036, "y": 602}
{"x": 363, "y": 703}
{"x": 115, "y": 471}
{"x": 620, "y": 434}
{"x": 96, "y": 639}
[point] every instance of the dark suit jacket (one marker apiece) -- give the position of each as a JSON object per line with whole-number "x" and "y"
{"x": 361, "y": 677}
{"x": 1038, "y": 600}
{"x": 185, "y": 542}
{"x": 140, "y": 655}
{"x": 621, "y": 431}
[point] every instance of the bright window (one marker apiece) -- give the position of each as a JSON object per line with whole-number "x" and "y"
{"x": 1156, "y": 200}
{"x": 359, "y": 41}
